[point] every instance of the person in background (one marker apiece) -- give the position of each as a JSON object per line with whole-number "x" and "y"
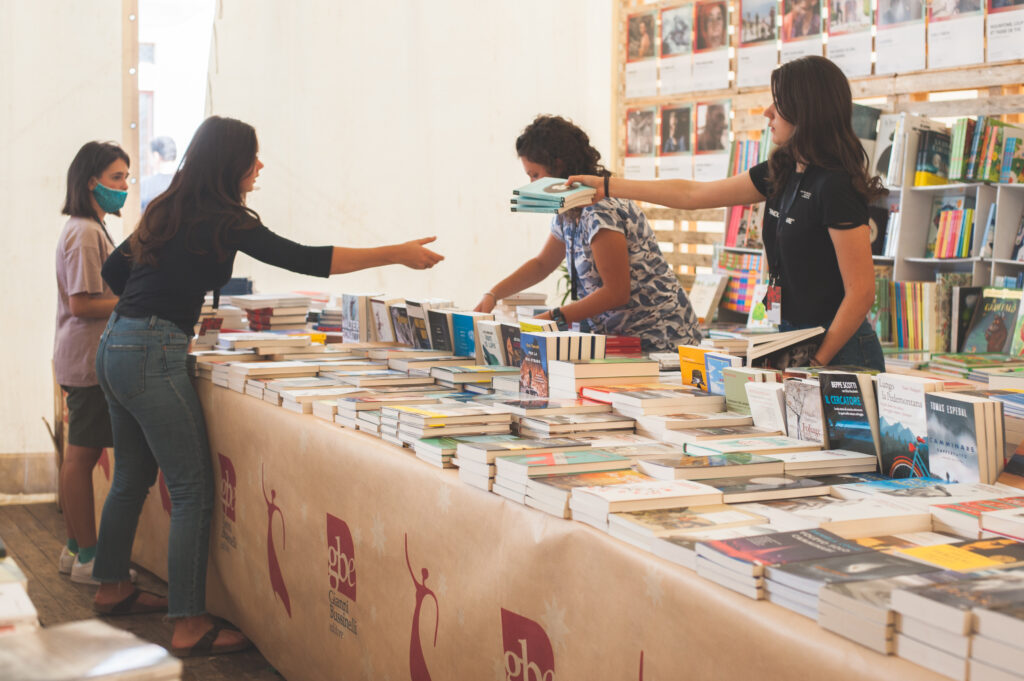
{"x": 97, "y": 185}
{"x": 185, "y": 245}
{"x": 623, "y": 283}
{"x": 164, "y": 153}
{"x": 712, "y": 31}
{"x": 816, "y": 189}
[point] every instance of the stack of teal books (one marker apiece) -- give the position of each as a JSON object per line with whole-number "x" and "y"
{"x": 551, "y": 195}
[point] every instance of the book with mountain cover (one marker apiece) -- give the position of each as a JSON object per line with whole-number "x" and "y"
{"x": 957, "y": 431}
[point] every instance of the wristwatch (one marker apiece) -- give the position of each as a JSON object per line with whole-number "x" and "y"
{"x": 558, "y": 318}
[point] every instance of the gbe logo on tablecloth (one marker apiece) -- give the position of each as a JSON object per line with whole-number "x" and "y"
{"x": 341, "y": 561}
{"x": 273, "y": 564}
{"x": 341, "y": 576}
{"x": 528, "y": 653}
{"x": 227, "y": 486}
{"x": 228, "y": 482}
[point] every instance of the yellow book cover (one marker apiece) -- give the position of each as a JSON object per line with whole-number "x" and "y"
{"x": 691, "y": 366}
{"x": 968, "y": 556}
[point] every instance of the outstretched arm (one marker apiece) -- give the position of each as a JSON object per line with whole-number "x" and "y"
{"x": 683, "y": 194}
{"x": 412, "y": 254}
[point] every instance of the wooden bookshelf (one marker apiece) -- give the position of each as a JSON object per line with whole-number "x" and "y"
{"x": 999, "y": 93}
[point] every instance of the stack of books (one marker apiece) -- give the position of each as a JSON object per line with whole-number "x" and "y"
{"x": 505, "y": 309}
{"x": 566, "y": 379}
{"x": 739, "y": 564}
{"x": 272, "y": 312}
{"x": 592, "y": 505}
{"x": 444, "y": 420}
{"x": 17, "y": 613}
{"x": 623, "y": 346}
{"x": 557, "y": 425}
{"x": 550, "y": 195}
{"x": 551, "y": 494}
{"x": 643, "y": 528}
{"x": 660, "y": 426}
{"x": 331, "y": 319}
{"x": 513, "y": 473}
{"x": 475, "y": 458}
{"x": 240, "y": 372}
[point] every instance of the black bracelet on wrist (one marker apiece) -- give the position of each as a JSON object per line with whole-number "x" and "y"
{"x": 557, "y": 317}
{"x": 607, "y": 176}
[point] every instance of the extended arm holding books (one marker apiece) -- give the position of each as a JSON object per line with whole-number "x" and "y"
{"x": 682, "y": 194}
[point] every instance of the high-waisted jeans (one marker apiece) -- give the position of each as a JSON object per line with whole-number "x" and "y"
{"x": 158, "y": 423}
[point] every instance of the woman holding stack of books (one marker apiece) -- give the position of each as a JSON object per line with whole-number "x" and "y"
{"x": 184, "y": 246}
{"x": 97, "y": 186}
{"x": 817, "y": 189}
{"x": 620, "y": 281}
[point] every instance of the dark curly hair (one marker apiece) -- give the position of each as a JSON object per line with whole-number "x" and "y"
{"x": 813, "y": 94}
{"x": 560, "y": 146}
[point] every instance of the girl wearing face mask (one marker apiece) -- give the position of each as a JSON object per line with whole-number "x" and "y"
{"x": 184, "y": 246}
{"x": 816, "y": 189}
{"x": 97, "y": 186}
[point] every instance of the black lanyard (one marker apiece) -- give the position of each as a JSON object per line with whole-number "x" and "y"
{"x": 573, "y": 276}
{"x": 788, "y": 198}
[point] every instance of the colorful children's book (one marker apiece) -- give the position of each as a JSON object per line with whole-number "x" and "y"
{"x": 993, "y": 321}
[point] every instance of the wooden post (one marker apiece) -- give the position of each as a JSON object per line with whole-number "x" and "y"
{"x": 130, "y": 109}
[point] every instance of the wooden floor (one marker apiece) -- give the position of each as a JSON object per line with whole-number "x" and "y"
{"x": 34, "y": 535}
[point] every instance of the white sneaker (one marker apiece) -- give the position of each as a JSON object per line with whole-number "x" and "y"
{"x": 81, "y": 573}
{"x": 66, "y": 561}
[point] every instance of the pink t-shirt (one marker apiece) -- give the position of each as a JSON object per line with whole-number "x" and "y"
{"x": 81, "y": 251}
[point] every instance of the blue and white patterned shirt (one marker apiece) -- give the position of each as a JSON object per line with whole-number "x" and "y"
{"x": 658, "y": 310}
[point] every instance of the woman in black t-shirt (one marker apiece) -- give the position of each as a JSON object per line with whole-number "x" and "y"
{"x": 817, "y": 189}
{"x": 185, "y": 245}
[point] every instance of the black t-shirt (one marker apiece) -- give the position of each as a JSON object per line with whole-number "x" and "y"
{"x": 174, "y": 290}
{"x": 808, "y": 271}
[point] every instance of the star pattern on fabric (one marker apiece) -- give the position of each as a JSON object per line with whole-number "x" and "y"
{"x": 553, "y": 621}
{"x": 652, "y": 581}
{"x": 444, "y": 498}
{"x": 380, "y": 540}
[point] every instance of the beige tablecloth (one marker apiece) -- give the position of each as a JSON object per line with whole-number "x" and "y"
{"x": 344, "y": 557}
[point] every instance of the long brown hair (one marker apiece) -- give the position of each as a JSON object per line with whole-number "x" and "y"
{"x": 814, "y": 96}
{"x": 205, "y": 194}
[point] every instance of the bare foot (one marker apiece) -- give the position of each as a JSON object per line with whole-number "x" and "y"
{"x": 115, "y": 592}
{"x": 188, "y": 631}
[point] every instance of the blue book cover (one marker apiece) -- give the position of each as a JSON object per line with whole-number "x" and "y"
{"x": 713, "y": 366}
{"x": 953, "y": 438}
{"x": 552, "y": 189}
{"x": 535, "y": 209}
{"x": 465, "y": 341}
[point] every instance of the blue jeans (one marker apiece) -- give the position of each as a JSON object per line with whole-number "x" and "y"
{"x": 862, "y": 350}
{"x": 158, "y": 423}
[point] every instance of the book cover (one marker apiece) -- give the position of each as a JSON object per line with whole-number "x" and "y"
{"x": 854, "y": 567}
{"x": 464, "y": 334}
{"x": 417, "y": 313}
{"x": 492, "y": 346}
{"x": 804, "y": 417}
{"x": 383, "y": 326}
{"x": 903, "y": 425}
{"x": 710, "y": 466}
{"x": 972, "y": 555}
{"x": 691, "y": 366}
{"x": 533, "y": 371}
{"x": 933, "y": 164}
{"x": 404, "y": 333}
{"x": 849, "y": 405}
{"x": 511, "y": 344}
{"x": 953, "y": 427}
{"x": 555, "y": 190}
{"x": 706, "y": 293}
{"x": 714, "y": 364}
{"x": 440, "y": 325}
{"x": 964, "y": 301}
{"x": 768, "y": 405}
{"x": 993, "y": 321}
{"x": 763, "y": 487}
{"x": 554, "y": 462}
{"x": 660, "y": 522}
{"x": 752, "y": 554}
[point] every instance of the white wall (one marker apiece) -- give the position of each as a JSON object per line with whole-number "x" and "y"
{"x": 381, "y": 122}
{"x": 60, "y": 86}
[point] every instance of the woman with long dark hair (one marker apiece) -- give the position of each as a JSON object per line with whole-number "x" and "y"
{"x": 817, "y": 188}
{"x": 97, "y": 186}
{"x": 624, "y": 284}
{"x": 184, "y": 246}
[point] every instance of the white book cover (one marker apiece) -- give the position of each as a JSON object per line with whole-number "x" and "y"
{"x": 767, "y": 404}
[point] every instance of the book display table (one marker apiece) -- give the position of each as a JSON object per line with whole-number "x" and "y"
{"x": 343, "y": 556}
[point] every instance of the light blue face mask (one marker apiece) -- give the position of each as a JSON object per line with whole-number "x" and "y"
{"x": 109, "y": 200}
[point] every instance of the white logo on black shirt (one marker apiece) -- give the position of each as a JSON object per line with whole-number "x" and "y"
{"x": 774, "y": 213}
{"x": 805, "y": 194}
{"x": 790, "y": 221}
